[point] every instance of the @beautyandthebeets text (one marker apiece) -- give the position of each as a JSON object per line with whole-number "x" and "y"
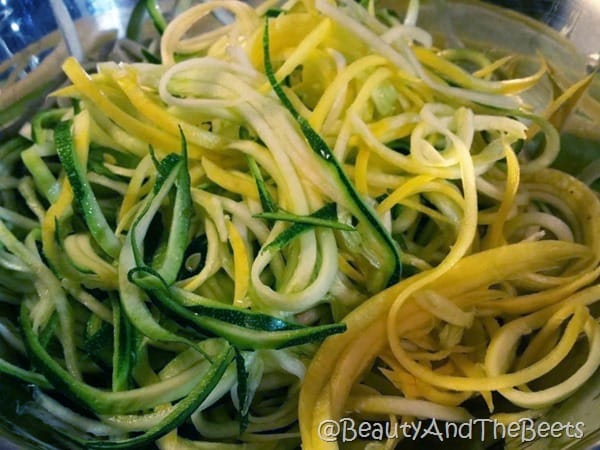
{"x": 348, "y": 429}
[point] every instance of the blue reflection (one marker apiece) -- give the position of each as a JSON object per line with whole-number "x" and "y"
{"x": 23, "y": 22}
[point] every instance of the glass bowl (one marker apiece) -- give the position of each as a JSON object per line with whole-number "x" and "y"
{"x": 33, "y": 46}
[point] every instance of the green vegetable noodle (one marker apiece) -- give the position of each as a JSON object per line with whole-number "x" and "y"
{"x": 315, "y": 210}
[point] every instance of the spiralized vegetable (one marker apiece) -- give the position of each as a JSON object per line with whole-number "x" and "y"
{"x": 267, "y": 179}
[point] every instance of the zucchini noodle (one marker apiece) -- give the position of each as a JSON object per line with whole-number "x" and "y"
{"x": 178, "y": 237}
